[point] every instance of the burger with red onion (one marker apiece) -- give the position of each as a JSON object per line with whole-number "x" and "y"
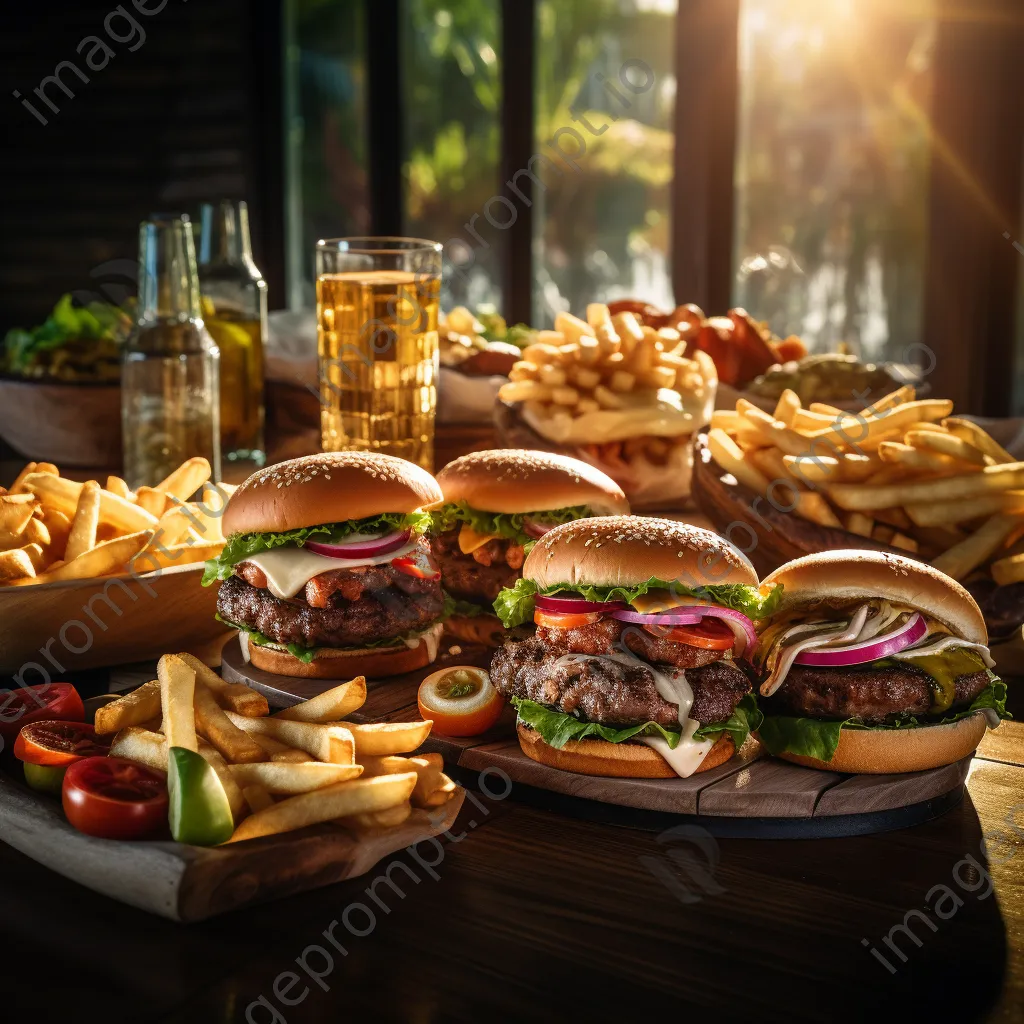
{"x": 874, "y": 663}
{"x": 498, "y": 504}
{"x": 327, "y": 570}
{"x": 637, "y": 666}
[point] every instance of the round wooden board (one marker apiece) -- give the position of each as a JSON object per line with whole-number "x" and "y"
{"x": 750, "y": 796}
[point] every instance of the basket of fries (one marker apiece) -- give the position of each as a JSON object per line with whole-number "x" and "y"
{"x": 902, "y": 474}
{"x": 93, "y": 575}
{"x": 616, "y": 394}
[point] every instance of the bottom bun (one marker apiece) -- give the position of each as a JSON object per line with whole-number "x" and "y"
{"x": 334, "y": 663}
{"x": 891, "y": 751}
{"x": 615, "y": 760}
{"x": 477, "y": 629}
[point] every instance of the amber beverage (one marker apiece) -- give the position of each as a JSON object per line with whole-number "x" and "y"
{"x": 377, "y": 305}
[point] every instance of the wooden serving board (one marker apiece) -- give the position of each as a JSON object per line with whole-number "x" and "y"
{"x": 752, "y": 794}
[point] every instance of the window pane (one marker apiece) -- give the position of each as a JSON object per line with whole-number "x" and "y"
{"x": 452, "y": 102}
{"x": 605, "y": 92}
{"x": 325, "y": 104}
{"x": 832, "y": 170}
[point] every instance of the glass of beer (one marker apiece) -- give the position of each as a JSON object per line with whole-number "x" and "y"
{"x": 377, "y": 303}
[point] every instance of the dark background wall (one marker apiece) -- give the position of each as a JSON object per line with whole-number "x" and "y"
{"x": 192, "y": 114}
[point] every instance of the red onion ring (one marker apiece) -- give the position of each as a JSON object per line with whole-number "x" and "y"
{"x": 574, "y": 605}
{"x": 687, "y": 615}
{"x": 535, "y": 530}
{"x": 363, "y": 548}
{"x": 899, "y": 639}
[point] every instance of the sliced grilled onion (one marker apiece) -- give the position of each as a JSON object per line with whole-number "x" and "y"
{"x": 368, "y": 547}
{"x": 687, "y": 615}
{"x": 535, "y": 530}
{"x": 883, "y": 646}
{"x": 574, "y": 605}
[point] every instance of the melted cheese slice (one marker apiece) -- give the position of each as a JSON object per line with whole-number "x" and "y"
{"x": 288, "y": 570}
{"x": 470, "y": 540}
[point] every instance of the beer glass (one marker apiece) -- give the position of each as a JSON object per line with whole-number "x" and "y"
{"x": 377, "y": 304}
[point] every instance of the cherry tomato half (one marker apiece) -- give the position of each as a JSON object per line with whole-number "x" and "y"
{"x": 59, "y": 743}
{"x": 421, "y": 567}
{"x": 709, "y": 634}
{"x": 45, "y": 702}
{"x": 113, "y": 798}
{"x": 564, "y": 620}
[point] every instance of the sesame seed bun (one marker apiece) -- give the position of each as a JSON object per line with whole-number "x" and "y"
{"x": 614, "y": 760}
{"x": 891, "y": 751}
{"x": 346, "y": 663}
{"x": 514, "y": 480}
{"x": 856, "y": 574}
{"x": 627, "y": 550}
{"x": 331, "y": 487}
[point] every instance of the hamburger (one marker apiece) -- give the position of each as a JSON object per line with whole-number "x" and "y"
{"x": 636, "y": 669}
{"x": 497, "y": 505}
{"x": 327, "y": 571}
{"x": 873, "y": 662}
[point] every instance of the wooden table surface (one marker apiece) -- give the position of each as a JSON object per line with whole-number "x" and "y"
{"x": 527, "y": 914}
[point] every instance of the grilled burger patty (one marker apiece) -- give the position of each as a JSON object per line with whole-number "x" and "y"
{"x": 610, "y": 692}
{"x": 481, "y": 576}
{"x": 361, "y": 606}
{"x": 869, "y": 694}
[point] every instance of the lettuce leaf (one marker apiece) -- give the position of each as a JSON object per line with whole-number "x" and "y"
{"x": 465, "y": 609}
{"x": 514, "y": 605}
{"x": 819, "y": 738}
{"x": 241, "y": 546}
{"x": 505, "y": 524}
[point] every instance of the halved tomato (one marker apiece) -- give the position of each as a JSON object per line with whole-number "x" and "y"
{"x": 44, "y": 702}
{"x": 709, "y": 634}
{"x": 59, "y": 743}
{"x": 564, "y": 620}
{"x": 420, "y": 565}
{"x": 113, "y": 798}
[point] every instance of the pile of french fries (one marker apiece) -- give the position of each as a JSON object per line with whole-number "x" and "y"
{"x": 301, "y": 766}
{"x": 904, "y": 472}
{"x": 53, "y": 528}
{"x": 607, "y": 363}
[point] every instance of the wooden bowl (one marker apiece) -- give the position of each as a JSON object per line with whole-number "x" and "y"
{"x": 48, "y": 629}
{"x": 68, "y": 423}
{"x": 767, "y": 536}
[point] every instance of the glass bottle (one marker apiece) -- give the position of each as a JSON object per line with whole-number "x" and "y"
{"x": 234, "y": 305}
{"x": 170, "y": 391}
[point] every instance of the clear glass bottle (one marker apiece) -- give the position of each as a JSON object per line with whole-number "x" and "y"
{"x": 234, "y": 306}
{"x": 170, "y": 382}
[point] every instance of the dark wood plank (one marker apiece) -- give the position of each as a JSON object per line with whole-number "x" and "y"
{"x": 861, "y": 794}
{"x": 768, "y": 789}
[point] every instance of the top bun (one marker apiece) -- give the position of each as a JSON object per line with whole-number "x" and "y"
{"x": 628, "y": 550}
{"x": 843, "y": 576}
{"x": 331, "y": 487}
{"x": 514, "y": 480}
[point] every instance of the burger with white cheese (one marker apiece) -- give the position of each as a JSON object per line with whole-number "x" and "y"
{"x": 636, "y": 667}
{"x": 497, "y": 505}
{"x": 874, "y": 662}
{"x": 327, "y": 571}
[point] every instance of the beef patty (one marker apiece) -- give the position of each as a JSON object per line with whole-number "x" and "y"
{"x": 612, "y": 692}
{"x": 869, "y": 694}
{"x": 478, "y": 579}
{"x": 388, "y": 604}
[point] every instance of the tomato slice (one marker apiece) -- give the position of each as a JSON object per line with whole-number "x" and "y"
{"x": 45, "y": 702}
{"x": 564, "y": 620}
{"x": 113, "y": 798}
{"x": 420, "y": 566}
{"x": 59, "y": 743}
{"x": 460, "y": 701}
{"x": 709, "y": 634}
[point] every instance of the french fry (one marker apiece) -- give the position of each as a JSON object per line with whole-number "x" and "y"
{"x": 947, "y": 444}
{"x": 153, "y": 500}
{"x": 143, "y": 746}
{"x": 860, "y": 524}
{"x": 63, "y": 494}
{"x": 184, "y": 481}
{"x": 962, "y": 510}
{"x": 894, "y": 517}
{"x": 116, "y": 485}
{"x": 813, "y": 506}
{"x": 786, "y": 408}
{"x": 862, "y": 497}
{"x": 901, "y": 396}
{"x": 233, "y": 696}
{"x": 901, "y": 540}
{"x": 1008, "y": 570}
{"x": 392, "y": 817}
{"x": 105, "y": 558}
{"x": 979, "y": 438}
{"x": 58, "y": 525}
{"x": 283, "y": 779}
{"x": 959, "y": 560}
{"x": 882, "y": 533}
{"x": 572, "y": 328}
{"x": 341, "y": 800}
{"x": 790, "y": 441}
{"x": 329, "y": 706}
{"x": 157, "y": 555}
{"x": 825, "y": 410}
{"x": 87, "y": 517}
{"x": 173, "y": 526}
{"x": 213, "y": 723}
{"x": 133, "y": 708}
{"x": 257, "y": 798}
{"x": 35, "y": 532}
{"x": 16, "y": 565}
{"x": 918, "y": 459}
{"x": 333, "y": 743}
{"x": 18, "y": 487}
{"x": 389, "y": 737}
{"x": 428, "y": 768}
{"x": 523, "y": 391}
{"x": 177, "y": 694}
{"x": 730, "y": 457}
